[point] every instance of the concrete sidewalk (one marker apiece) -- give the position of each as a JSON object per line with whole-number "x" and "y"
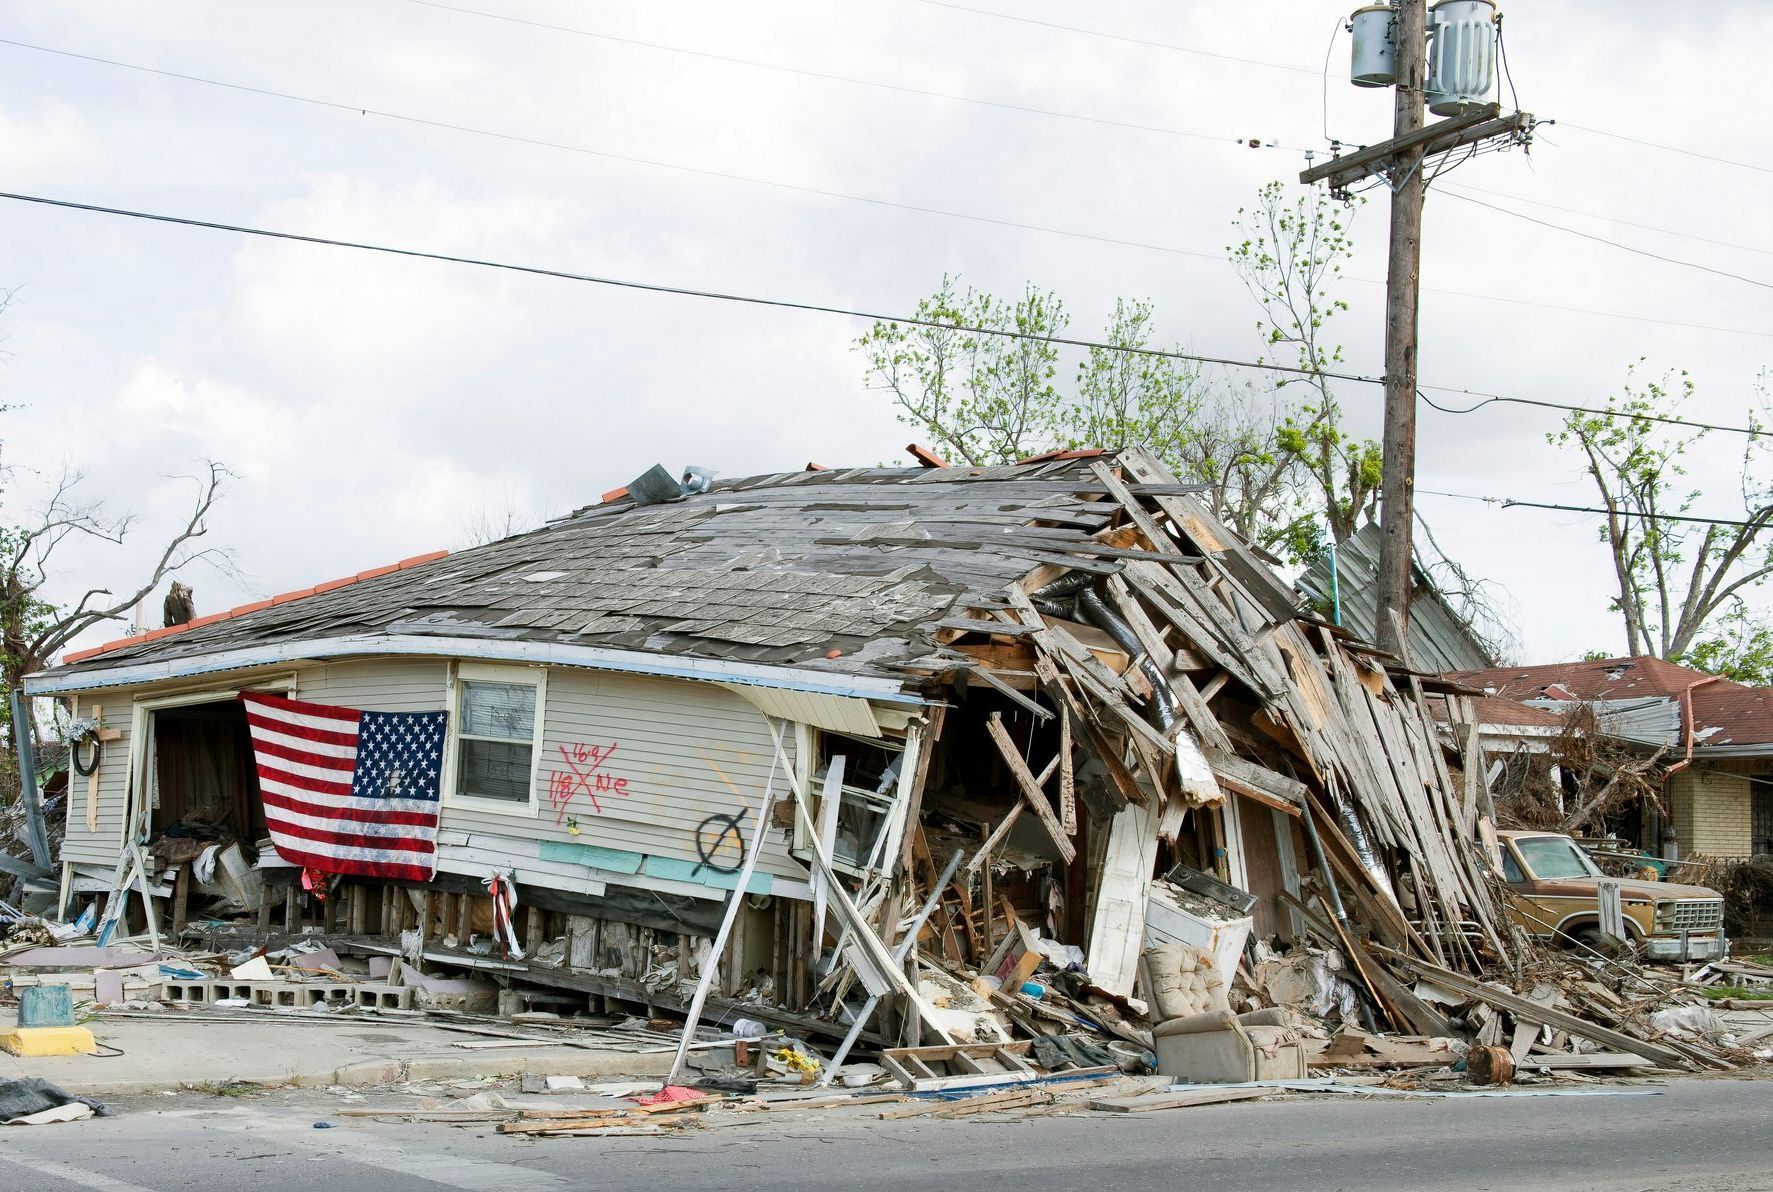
{"x": 205, "y": 1048}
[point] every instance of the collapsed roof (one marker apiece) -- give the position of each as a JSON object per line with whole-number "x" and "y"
{"x": 850, "y": 570}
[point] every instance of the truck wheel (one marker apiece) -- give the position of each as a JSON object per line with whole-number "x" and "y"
{"x": 1588, "y": 941}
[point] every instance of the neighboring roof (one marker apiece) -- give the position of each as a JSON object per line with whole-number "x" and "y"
{"x": 1492, "y": 710}
{"x": 846, "y": 570}
{"x": 1640, "y": 690}
{"x": 1438, "y": 639}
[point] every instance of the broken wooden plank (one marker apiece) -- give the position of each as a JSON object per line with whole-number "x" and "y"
{"x": 1257, "y": 782}
{"x": 984, "y": 673}
{"x": 1031, "y": 791}
{"x": 1587, "y": 1059}
{"x": 993, "y": 1104}
{"x": 1067, "y": 780}
{"x": 1531, "y": 1011}
{"x": 1181, "y": 1100}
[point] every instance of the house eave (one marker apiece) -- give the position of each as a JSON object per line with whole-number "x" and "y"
{"x": 639, "y": 662}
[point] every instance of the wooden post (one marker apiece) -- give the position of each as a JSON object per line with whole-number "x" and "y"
{"x": 1402, "y": 294}
{"x": 181, "y": 898}
{"x": 535, "y": 935}
{"x": 464, "y": 918}
{"x": 292, "y": 909}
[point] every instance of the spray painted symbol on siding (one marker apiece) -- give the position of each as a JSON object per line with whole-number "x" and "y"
{"x": 719, "y": 837}
{"x": 584, "y": 774}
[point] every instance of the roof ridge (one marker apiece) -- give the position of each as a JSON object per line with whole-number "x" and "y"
{"x": 241, "y": 610}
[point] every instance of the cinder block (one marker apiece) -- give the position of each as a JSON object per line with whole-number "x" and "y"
{"x": 316, "y": 993}
{"x": 195, "y": 993}
{"x": 384, "y": 997}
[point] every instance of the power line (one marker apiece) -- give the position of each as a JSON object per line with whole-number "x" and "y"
{"x": 1307, "y": 70}
{"x": 687, "y": 291}
{"x": 878, "y": 84}
{"x": 1511, "y": 503}
{"x": 1685, "y": 152}
{"x": 818, "y": 308}
{"x": 892, "y": 204}
{"x": 1107, "y": 36}
{"x": 1642, "y": 252}
{"x": 1585, "y": 310}
{"x": 537, "y": 142}
{"x": 1491, "y": 398}
{"x": 1495, "y": 194}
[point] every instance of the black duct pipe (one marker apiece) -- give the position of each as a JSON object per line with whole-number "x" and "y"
{"x": 1074, "y": 597}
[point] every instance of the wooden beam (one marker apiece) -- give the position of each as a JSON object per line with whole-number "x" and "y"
{"x": 1031, "y": 791}
{"x": 1257, "y": 782}
{"x": 1525, "y": 1009}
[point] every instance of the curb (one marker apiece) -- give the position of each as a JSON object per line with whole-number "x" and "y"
{"x": 365, "y": 1073}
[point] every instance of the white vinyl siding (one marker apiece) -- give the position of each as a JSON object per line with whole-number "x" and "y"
{"x": 644, "y": 765}
{"x": 377, "y": 684}
{"x": 101, "y": 847}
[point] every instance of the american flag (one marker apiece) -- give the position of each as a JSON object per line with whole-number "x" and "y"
{"x": 347, "y": 791}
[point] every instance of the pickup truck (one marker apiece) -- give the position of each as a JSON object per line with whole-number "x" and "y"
{"x": 1557, "y": 896}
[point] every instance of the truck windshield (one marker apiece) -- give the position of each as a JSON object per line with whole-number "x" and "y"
{"x": 1555, "y": 856}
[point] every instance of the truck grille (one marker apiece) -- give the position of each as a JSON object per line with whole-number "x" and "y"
{"x": 1701, "y": 916}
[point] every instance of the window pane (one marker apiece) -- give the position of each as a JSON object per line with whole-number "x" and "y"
{"x": 1511, "y": 872}
{"x": 493, "y": 770}
{"x": 1555, "y": 857}
{"x": 499, "y": 710}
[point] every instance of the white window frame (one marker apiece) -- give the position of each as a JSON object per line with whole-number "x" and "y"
{"x": 486, "y": 672}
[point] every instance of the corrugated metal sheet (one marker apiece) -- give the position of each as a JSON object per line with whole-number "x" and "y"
{"x": 1653, "y": 719}
{"x": 1438, "y": 640}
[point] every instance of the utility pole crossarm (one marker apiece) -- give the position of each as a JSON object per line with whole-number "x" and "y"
{"x": 1444, "y": 136}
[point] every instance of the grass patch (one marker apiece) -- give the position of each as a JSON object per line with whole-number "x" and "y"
{"x": 1758, "y": 993}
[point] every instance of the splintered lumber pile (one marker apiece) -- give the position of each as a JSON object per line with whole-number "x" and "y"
{"x": 1345, "y": 740}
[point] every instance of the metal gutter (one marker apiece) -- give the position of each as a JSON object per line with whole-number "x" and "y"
{"x": 637, "y": 662}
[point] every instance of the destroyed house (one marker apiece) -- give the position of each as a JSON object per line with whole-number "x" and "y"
{"x": 1065, "y": 671}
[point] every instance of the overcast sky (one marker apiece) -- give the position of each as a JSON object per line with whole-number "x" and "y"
{"x": 375, "y": 408}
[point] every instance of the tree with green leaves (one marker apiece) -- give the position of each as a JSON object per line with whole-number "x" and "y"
{"x": 1275, "y": 467}
{"x": 1681, "y": 585}
{"x": 1290, "y": 255}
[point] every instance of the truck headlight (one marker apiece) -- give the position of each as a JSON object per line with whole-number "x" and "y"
{"x": 1665, "y": 914}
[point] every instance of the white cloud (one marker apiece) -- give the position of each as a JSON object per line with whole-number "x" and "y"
{"x": 50, "y": 147}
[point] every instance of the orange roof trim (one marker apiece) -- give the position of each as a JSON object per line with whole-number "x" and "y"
{"x": 242, "y": 609}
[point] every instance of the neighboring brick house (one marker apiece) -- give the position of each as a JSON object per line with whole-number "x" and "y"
{"x": 1719, "y": 734}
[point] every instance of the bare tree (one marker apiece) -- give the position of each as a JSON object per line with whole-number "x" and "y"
{"x": 32, "y": 626}
{"x": 1673, "y": 576}
{"x": 493, "y": 524}
{"x": 1597, "y": 776}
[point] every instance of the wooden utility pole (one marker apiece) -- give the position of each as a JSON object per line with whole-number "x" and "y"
{"x": 1400, "y": 162}
{"x": 1402, "y": 290}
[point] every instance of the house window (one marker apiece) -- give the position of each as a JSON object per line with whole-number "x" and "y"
{"x": 866, "y": 797}
{"x": 497, "y": 723}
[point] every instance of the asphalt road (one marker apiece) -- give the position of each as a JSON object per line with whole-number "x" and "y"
{"x": 1698, "y": 1136}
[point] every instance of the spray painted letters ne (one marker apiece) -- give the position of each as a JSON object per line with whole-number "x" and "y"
{"x": 584, "y": 774}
